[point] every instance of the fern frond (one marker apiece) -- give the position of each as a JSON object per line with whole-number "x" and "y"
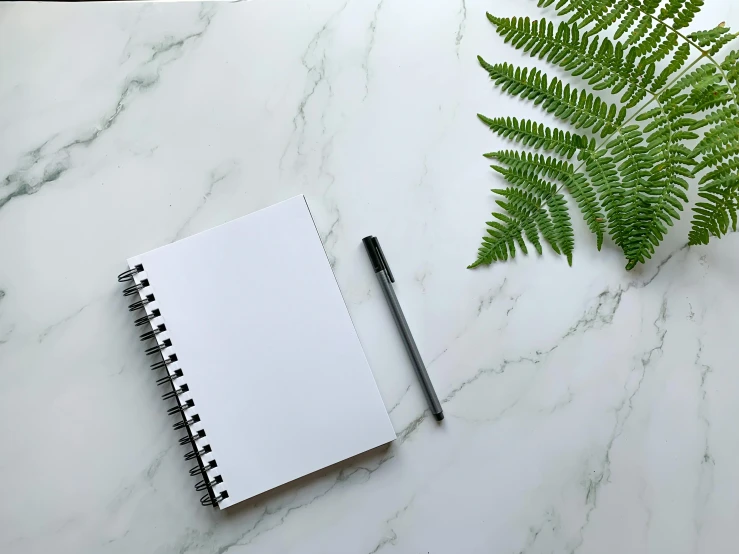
{"x": 606, "y": 16}
{"x": 640, "y": 31}
{"x": 660, "y": 202}
{"x": 718, "y": 156}
{"x": 606, "y": 13}
{"x": 575, "y": 183}
{"x": 533, "y": 207}
{"x": 717, "y": 212}
{"x": 709, "y": 93}
{"x": 721, "y": 115}
{"x": 679, "y": 58}
{"x": 632, "y": 183}
{"x": 502, "y": 234}
{"x": 686, "y": 15}
{"x": 526, "y": 162}
{"x": 719, "y": 137}
{"x": 633, "y": 160}
{"x": 670, "y": 10}
{"x": 699, "y": 78}
{"x": 660, "y": 52}
{"x": 730, "y": 66}
{"x": 721, "y": 171}
{"x": 601, "y": 64}
{"x": 538, "y": 136}
{"x": 714, "y": 39}
{"x": 517, "y": 200}
{"x": 632, "y": 16}
{"x": 604, "y": 176}
{"x": 582, "y": 109}
{"x": 562, "y": 224}
{"x": 651, "y": 42}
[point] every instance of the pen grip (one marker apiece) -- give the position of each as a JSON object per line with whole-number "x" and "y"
{"x": 410, "y": 344}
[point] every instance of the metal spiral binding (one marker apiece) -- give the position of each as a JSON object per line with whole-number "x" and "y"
{"x": 141, "y": 303}
{"x": 210, "y": 500}
{"x": 186, "y": 423}
{"x": 173, "y": 378}
{"x": 199, "y": 453}
{"x": 147, "y": 318}
{"x": 176, "y": 374}
{"x": 153, "y": 333}
{"x": 174, "y": 393}
{"x": 186, "y": 439}
{"x": 198, "y": 470}
{"x": 180, "y": 408}
{"x": 165, "y": 362}
{"x": 166, "y": 343}
{"x": 133, "y": 289}
{"x": 128, "y": 275}
{"x": 203, "y": 484}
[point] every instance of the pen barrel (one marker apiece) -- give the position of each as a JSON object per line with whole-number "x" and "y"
{"x": 410, "y": 344}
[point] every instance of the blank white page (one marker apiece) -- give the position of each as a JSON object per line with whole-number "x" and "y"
{"x": 267, "y": 349}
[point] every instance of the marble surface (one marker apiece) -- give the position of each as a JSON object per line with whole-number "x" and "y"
{"x": 588, "y": 410}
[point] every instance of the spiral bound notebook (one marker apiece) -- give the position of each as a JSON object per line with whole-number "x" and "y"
{"x": 258, "y": 353}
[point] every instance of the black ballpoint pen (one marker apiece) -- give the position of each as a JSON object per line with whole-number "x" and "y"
{"x": 385, "y": 277}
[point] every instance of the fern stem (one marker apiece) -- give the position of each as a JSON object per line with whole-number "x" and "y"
{"x": 640, "y": 110}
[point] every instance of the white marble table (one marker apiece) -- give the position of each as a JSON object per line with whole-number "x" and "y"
{"x": 589, "y": 410}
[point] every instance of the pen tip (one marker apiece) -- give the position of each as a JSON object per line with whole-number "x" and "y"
{"x": 439, "y": 416}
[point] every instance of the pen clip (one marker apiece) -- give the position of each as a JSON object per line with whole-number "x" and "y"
{"x": 376, "y": 244}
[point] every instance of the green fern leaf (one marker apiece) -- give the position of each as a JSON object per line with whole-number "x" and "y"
{"x": 679, "y": 58}
{"x": 561, "y": 225}
{"x": 730, "y": 65}
{"x": 719, "y": 137}
{"x": 718, "y": 156}
{"x": 582, "y": 109}
{"x": 651, "y": 42}
{"x": 632, "y": 183}
{"x": 640, "y": 31}
{"x": 721, "y": 115}
{"x": 600, "y": 64}
{"x": 717, "y": 212}
{"x": 507, "y": 229}
{"x": 714, "y": 39}
{"x": 606, "y": 16}
{"x": 662, "y": 50}
{"x": 575, "y": 183}
{"x": 533, "y": 207}
{"x": 632, "y": 16}
{"x": 670, "y": 10}
{"x": 604, "y": 175}
{"x": 538, "y": 135}
{"x": 721, "y": 171}
{"x": 634, "y": 160}
{"x": 687, "y": 14}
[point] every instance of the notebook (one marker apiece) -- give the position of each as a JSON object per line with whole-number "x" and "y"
{"x": 253, "y": 341}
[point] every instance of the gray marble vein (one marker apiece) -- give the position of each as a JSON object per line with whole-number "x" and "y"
{"x": 595, "y": 483}
{"x": 50, "y": 160}
{"x": 217, "y": 175}
{"x": 51, "y": 328}
{"x": 462, "y": 23}
{"x": 391, "y": 536}
{"x": 371, "y": 30}
{"x": 314, "y": 61}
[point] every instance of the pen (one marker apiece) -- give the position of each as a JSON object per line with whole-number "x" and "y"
{"x": 385, "y": 276}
